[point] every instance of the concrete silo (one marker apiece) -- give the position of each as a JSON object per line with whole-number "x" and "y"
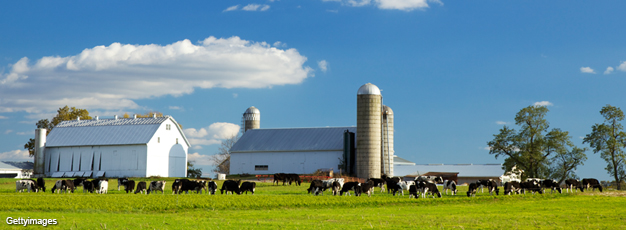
{"x": 251, "y": 119}
{"x": 40, "y": 143}
{"x": 368, "y": 134}
{"x": 387, "y": 156}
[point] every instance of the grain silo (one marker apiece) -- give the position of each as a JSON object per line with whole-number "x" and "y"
{"x": 251, "y": 119}
{"x": 387, "y": 156}
{"x": 40, "y": 142}
{"x": 368, "y": 134}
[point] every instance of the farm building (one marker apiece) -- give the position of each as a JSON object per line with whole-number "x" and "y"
{"x": 126, "y": 147}
{"x": 12, "y": 169}
{"x": 465, "y": 173}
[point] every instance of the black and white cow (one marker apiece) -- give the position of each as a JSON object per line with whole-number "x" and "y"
{"x": 41, "y": 184}
{"x": 292, "y": 177}
{"x": 414, "y": 191}
{"x": 155, "y": 186}
{"x": 366, "y": 188}
{"x": 316, "y": 187}
{"x": 120, "y": 182}
{"x": 212, "y": 186}
{"x": 472, "y": 189}
{"x": 572, "y": 184}
{"x": 551, "y": 184}
{"x": 66, "y": 186}
{"x": 129, "y": 186}
{"x": 430, "y": 188}
{"x": 482, "y": 184}
{"x": 78, "y": 182}
{"x": 392, "y": 185}
{"x": 592, "y": 183}
{"x": 141, "y": 187}
{"x": 35, "y": 187}
{"x": 247, "y": 187}
{"x": 492, "y": 186}
{"x": 336, "y": 187}
{"x": 532, "y": 186}
{"x": 349, "y": 186}
{"x": 231, "y": 186}
{"x": 378, "y": 182}
{"x": 103, "y": 186}
{"x": 88, "y": 186}
{"x": 431, "y": 179}
{"x": 512, "y": 187}
{"x": 449, "y": 185}
{"x": 22, "y": 185}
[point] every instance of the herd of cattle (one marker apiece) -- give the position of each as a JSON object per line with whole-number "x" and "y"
{"x": 424, "y": 186}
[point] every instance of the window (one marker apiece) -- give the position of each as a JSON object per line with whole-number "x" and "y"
{"x": 158, "y": 139}
{"x": 260, "y": 168}
{"x": 168, "y": 126}
{"x": 176, "y": 140}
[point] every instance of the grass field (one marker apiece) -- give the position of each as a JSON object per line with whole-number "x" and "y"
{"x": 290, "y": 207}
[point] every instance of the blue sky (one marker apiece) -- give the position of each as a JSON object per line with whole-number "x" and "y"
{"x": 453, "y": 71}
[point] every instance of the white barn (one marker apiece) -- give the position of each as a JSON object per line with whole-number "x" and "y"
{"x": 131, "y": 147}
{"x": 290, "y": 150}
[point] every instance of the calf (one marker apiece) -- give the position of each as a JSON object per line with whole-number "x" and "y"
{"x": 431, "y": 188}
{"x": 572, "y": 185}
{"x": 120, "y": 182}
{"x": 551, "y": 184}
{"x": 212, "y": 187}
{"x": 231, "y": 186}
{"x": 141, "y": 187}
{"x": 22, "y": 185}
{"x": 449, "y": 185}
{"x": 511, "y": 187}
{"x": 316, "y": 187}
{"x": 492, "y": 186}
{"x": 247, "y": 187}
{"x": 157, "y": 186}
{"x": 472, "y": 189}
{"x": 349, "y": 186}
{"x": 592, "y": 183}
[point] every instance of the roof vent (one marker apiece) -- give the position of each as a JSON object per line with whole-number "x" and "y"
{"x": 135, "y": 116}
{"x": 97, "y": 118}
{"x": 78, "y": 118}
{"x": 154, "y": 115}
{"x": 115, "y": 117}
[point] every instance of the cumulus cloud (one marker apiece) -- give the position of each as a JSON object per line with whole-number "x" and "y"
{"x": 543, "y": 103}
{"x": 405, "y": 5}
{"x": 200, "y": 159}
{"x": 622, "y": 66}
{"x": 608, "y": 70}
{"x": 112, "y": 77}
{"x": 587, "y": 70}
{"x": 501, "y": 122}
{"x": 323, "y": 65}
{"x": 255, "y": 7}
{"x": 213, "y": 134}
{"x": 232, "y": 8}
{"x": 15, "y": 155}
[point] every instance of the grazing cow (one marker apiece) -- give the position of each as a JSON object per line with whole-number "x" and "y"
{"x": 41, "y": 184}
{"x": 212, "y": 187}
{"x": 247, "y": 187}
{"x": 392, "y": 186}
{"x": 532, "y": 186}
{"x": 431, "y": 179}
{"x": 593, "y": 183}
{"x": 327, "y": 183}
{"x": 79, "y": 181}
{"x": 404, "y": 185}
{"x": 551, "y": 184}
{"x": 121, "y": 181}
{"x": 129, "y": 186}
{"x": 366, "y": 188}
{"x": 34, "y": 186}
{"x": 141, "y": 187}
{"x": 482, "y": 184}
{"x": 88, "y": 186}
{"x": 231, "y": 186}
{"x": 413, "y": 191}
{"x": 492, "y": 186}
{"x": 278, "y": 177}
{"x": 386, "y": 178}
{"x": 292, "y": 177}
{"x": 431, "y": 188}
{"x": 472, "y": 189}
{"x": 336, "y": 188}
{"x": 378, "y": 182}
{"x": 103, "y": 186}
{"x": 349, "y": 186}
{"x": 316, "y": 187}
{"x": 449, "y": 185}
{"x": 69, "y": 185}
{"x": 157, "y": 186}
{"x": 22, "y": 185}
{"x": 511, "y": 187}
{"x": 177, "y": 185}
{"x": 572, "y": 185}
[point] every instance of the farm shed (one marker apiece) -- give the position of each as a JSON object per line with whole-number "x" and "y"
{"x": 466, "y": 173}
{"x": 289, "y": 150}
{"x": 11, "y": 169}
{"x": 127, "y": 147}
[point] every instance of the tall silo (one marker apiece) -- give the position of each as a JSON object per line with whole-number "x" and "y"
{"x": 368, "y": 131}
{"x": 387, "y": 155}
{"x": 40, "y": 143}
{"x": 251, "y": 119}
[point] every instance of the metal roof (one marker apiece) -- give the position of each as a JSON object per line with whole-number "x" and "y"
{"x": 106, "y": 131}
{"x": 20, "y": 164}
{"x": 252, "y": 110}
{"x": 464, "y": 170}
{"x": 368, "y": 89}
{"x": 8, "y": 167}
{"x": 292, "y": 139}
{"x": 401, "y": 161}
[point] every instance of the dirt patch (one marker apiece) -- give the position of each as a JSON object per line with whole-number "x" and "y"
{"x": 607, "y": 193}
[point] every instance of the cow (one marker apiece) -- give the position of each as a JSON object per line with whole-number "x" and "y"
{"x": 511, "y": 187}
{"x": 292, "y": 177}
{"x": 157, "y": 186}
{"x": 22, "y": 185}
{"x": 69, "y": 185}
{"x": 103, "y": 186}
{"x": 404, "y": 185}
{"x": 366, "y": 188}
{"x": 88, "y": 186}
{"x": 392, "y": 186}
{"x": 532, "y": 186}
{"x": 121, "y": 181}
{"x": 492, "y": 186}
{"x": 449, "y": 185}
{"x": 231, "y": 186}
{"x": 432, "y": 179}
{"x": 316, "y": 187}
{"x": 141, "y": 187}
{"x": 592, "y": 183}
{"x": 430, "y": 188}
{"x": 481, "y": 184}
{"x": 551, "y": 184}
{"x": 336, "y": 187}
{"x": 212, "y": 186}
{"x": 34, "y": 187}
{"x": 177, "y": 185}
{"x": 472, "y": 189}
{"x": 129, "y": 186}
{"x": 41, "y": 184}
{"x": 349, "y": 186}
{"x": 247, "y": 187}
{"x": 278, "y": 177}
{"x": 79, "y": 181}
{"x": 572, "y": 185}
{"x": 378, "y": 182}
{"x": 413, "y": 191}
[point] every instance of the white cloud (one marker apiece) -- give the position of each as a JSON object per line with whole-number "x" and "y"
{"x": 3, "y": 117}
{"x": 175, "y": 108}
{"x": 405, "y": 5}
{"x": 15, "y": 155}
{"x": 280, "y": 44}
{"x": 232, "y": 8}
{"x": 587, "y": 70}
{"x": 112, "y": 77}
{"x": 24, "y": 133}
{"x": 543, "y": 103}
{"x": 8, "y": 131}
{"x": 256, "y": 7}
{"x": 608, "y": 70}
{"x": 622, "y": 66}
{"x": 213, "y": 134}
{"x": 200, "y": 159}
{"x": 323, "y": 64}
{"x": 501, "y": 122}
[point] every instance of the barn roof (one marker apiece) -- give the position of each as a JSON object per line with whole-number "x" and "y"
{"x": 292, "y": 139}
{"x": 122, "y": 131}
{"x": 464, "y": 170}
{"x": 8, "y": 167}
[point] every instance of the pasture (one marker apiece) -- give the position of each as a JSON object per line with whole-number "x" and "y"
{"x": 291, "y": 207}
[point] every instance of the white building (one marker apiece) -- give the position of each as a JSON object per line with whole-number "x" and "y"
{"x": 291, "y": 150}
{"x": 10, "y": 169}
{"x": 131, "y": 147}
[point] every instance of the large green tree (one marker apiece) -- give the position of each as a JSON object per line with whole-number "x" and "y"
{"x": 609, "y": 140}
{"x": 534, "y": 147}
{"x": 63, "y": 114}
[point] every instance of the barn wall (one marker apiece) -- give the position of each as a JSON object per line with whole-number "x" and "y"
{"x": 284, "y": 162}
{"x": 167, "y": 152}
{"x": 115, "y": 160}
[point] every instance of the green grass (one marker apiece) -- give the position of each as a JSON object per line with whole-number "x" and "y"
{"x": 291, "y": 207}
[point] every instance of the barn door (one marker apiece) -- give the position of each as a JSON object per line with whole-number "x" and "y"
{"x": 177, "y": 162}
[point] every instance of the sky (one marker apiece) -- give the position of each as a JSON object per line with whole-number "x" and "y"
{"x": 453, "y": 72}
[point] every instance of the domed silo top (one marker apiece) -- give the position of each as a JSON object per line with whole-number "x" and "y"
{"x": 252, "y": 110}
{"x": 368, "y": 89}
{"x": 387, "y": 110}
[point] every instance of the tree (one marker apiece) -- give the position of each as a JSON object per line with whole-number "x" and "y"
{"x": 63, "y": 114}
{"x": 221, "y": 160}
{"x": 193, "y": 172}
{"x": 534, "y": 147}
{"x": 609, "y": 140}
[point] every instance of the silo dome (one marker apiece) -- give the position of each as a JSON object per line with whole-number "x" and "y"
{"x": 368, "y": 89}
{"x": 251, "y": 119}
{"x": 252, "y": 110}
{"x": 387, "y": 110}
